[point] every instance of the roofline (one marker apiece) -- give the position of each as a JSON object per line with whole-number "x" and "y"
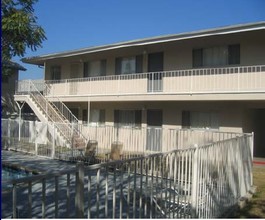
{"x": 39, "y": 60}
{"x": 13, "y": 65}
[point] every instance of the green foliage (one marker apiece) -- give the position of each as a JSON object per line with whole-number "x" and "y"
{"x": 19, "y": 28}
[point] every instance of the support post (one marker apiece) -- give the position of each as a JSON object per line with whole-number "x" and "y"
{"x": 252, "y": 150}
{"x": 53, "y": 140}
{"x": 19, "y": 122}
{"x": 79, "y": 196}
{"x": 8, "y": 133}
{"x": 36, "y": 139}
{"x": 194, "y": 190}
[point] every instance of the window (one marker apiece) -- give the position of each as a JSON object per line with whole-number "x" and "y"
{"x": 216, "y": 56}
{"x": 203, "y": 120}
{"x": 84, "y": 116}
{"x": 128, "y": 118}
{"x": 129, "y": 65}
{"x": 97, "y": 117}
{"x": 75, "y": 112}
{"x": 55, "y": 72}
{"x": 95, "y": 68}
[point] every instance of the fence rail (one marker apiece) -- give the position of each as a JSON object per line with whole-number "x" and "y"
{"x": 190, "y": 81}
{"x": 42, "y": 139}
{"x": 201, "y": 182}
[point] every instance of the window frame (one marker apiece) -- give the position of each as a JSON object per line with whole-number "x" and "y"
{"x": 102, "y": 117}
{"x": 56, "y": 72}
{"x": 187, "y": 120}
{"x": 121, "y": 114}
{"x": 232, "y": 56}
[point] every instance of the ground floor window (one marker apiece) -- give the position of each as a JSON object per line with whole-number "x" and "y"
{"x": 200, "y": 120}
{"x": 128, "y": 118}
{"x": 97, "y": 117}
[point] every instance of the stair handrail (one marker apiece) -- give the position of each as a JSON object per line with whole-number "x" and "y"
{"x": 72, "y": 117}
{"x": 63, "y": 119}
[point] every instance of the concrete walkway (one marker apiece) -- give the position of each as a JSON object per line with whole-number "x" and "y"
{"x": 34, "y": 163}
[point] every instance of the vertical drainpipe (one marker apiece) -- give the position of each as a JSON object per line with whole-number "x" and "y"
{"x": 88, "y": 110}
{"x": 44, "y": 69}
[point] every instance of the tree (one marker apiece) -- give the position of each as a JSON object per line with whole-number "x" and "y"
{"x": 19, "y": 29}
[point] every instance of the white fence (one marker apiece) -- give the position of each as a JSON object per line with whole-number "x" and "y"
{"x": 199, "y": 182}
{"x": 43, "y": 139}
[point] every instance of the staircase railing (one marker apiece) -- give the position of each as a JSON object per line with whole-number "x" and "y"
{"x": 67, "y": 126}
{"x": 60, "y": 105}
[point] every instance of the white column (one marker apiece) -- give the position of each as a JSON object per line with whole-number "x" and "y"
{"x": 194, "y": 191}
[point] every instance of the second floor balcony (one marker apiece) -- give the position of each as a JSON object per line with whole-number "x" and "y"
{"x": 242, "y": 80}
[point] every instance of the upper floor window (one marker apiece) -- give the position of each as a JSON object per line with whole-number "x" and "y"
{"x": 55, "y": 72}
{"x": 95, "y": 68}
{"x": 128, "y": 65}
{"x": 200, "y": 120}
{"x": 216, "y": 56}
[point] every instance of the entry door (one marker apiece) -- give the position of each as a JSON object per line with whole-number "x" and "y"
{"x": 73, "y": 75}
{"x": 155, "y": 66}
{"x": 154, "y": 130}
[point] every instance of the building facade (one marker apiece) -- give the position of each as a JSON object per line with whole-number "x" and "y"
{"x": 210, "y": 79}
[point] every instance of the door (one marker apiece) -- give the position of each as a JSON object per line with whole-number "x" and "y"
{"x": 154, "y": 130}
{"x": 155, "y": 76}
{"x": 74, "y": 74}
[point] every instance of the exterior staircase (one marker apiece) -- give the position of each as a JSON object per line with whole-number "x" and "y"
{"x": 56, "y": 113}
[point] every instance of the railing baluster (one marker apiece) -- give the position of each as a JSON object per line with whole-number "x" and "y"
{"x": 98, "y": 192}
{"x": 43, "y": 198}
{"x": 29, "y": 199}
{"x": 14, "y": 193}
{"x": 68, "y": 195}
{"x": 56, "y": 193}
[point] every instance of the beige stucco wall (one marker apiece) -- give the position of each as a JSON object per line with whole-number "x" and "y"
{"x": 233, "y": 116}
{"x": 177, "y": 55}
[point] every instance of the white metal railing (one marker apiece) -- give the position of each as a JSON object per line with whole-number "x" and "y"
{"x": 61, "y": 117}
{"x": 26, "y": 86}
{"x": 239, "y": 79}
{"x": 20, "y": 135}
{"x": 200, "y": 182}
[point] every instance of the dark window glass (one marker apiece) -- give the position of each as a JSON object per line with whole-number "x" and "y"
{"x": 139, "y": 64}
{"x": 185, "y": 119}
{"x": 84, "y": 116}
{"x": 103, "y": 67}
{"x": 56, "y": 72}
{"x": 234, "y": 54}
{"x": 197, "y": 57}
{"x": 86, "y": 69}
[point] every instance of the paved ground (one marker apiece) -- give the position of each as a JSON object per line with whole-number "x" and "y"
{"x": 34, "y": 163}
{"x": 94, "y": 194}
{"x": 44, "y": 165}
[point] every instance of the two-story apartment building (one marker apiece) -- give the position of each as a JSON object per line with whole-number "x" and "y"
{"x": 209, "y": 79}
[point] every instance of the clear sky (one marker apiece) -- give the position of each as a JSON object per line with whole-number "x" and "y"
{"x": 75, "y": 24}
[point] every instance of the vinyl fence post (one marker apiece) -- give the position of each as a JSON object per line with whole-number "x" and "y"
{"x": 8, "y": 132}
{"x": 79, "y": 196}
{"x": 19, "y": 126}
{"x": 53, "y": 141}
{"x": 194, "y": 190}
{"x": 251, "y": 150}
{"x": 36, "y": 137}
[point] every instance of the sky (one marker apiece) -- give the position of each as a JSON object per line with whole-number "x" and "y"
{"x": 76, "y": 24}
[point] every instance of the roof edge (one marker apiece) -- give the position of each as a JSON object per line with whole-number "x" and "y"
{"x": 39, "y": 60}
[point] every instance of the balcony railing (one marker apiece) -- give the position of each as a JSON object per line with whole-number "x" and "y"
{"x": 243, "y": 79}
